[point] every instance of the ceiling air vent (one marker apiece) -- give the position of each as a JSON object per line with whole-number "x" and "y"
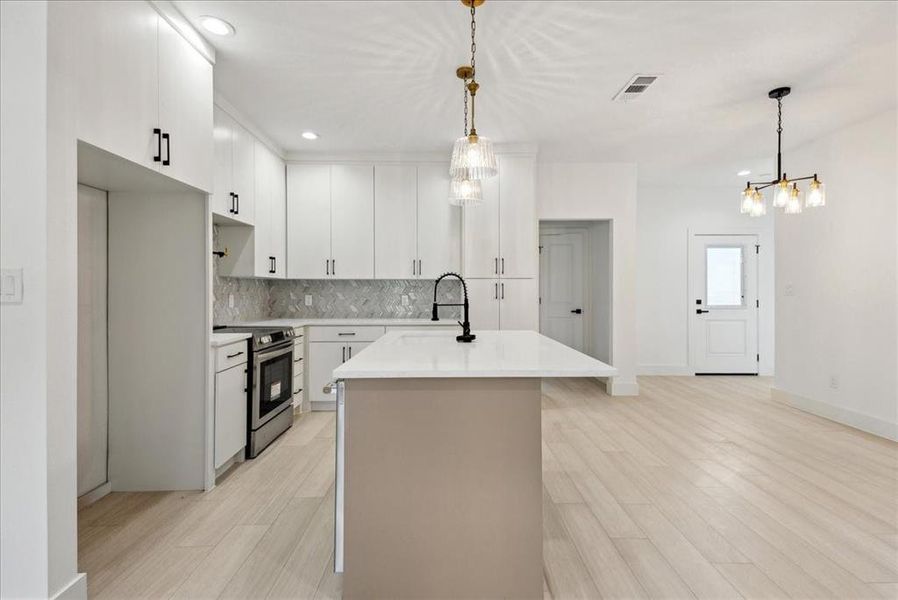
{"x": 635, "y": 88}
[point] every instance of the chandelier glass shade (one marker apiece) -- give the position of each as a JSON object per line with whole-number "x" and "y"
{"x": 786, "y": 193}
{"x": 473, "y": 158}
{"x": 465, "y": 192}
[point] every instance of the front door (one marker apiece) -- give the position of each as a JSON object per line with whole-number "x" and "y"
{"x": 723, "y": 304}
{"x": 562, "y": 291}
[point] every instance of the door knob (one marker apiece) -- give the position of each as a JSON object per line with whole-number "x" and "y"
{"x": 699, "y": 311}
{"x": 577, "y": 311}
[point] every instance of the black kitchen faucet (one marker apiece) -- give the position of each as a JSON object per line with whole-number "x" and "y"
{"x": 466, "y": 335}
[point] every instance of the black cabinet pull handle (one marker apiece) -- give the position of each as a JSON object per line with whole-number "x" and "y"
{"x": 344, "y": 353}
{"x": 333, "y": 266}
{"x": 327, "y": 265}
{"x": 158, "y": 133}
{"x": 503, "y": 291}
{"x": 495, "y": 291}
{"x": 699, "y": 311}
{"x": 419, "y": 266}
{"x": 235, "y": 355}
{"x": 503, "y": 265}
{"x": 167, "y": 138}
{"x": 346, "y": 333}
{"x": 233, "y": 209}
{"x": 271, "y": 264}
{"x": 496, "y": 265}
{"x": 237, "y": 198}
{"x": 413, "y": 267}
{"x": 577, "y": 311}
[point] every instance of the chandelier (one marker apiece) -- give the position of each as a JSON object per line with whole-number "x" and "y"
{"x": 473, "y": 158}
{"x": 786, "y": 194}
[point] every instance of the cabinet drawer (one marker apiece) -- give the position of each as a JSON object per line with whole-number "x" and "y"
{"x": 230, "y": 355}
{"x": 363, "y": 333}
{"x": 297, "y": 401}
{"x": 298, "y": 351}
{"x": 297, "y": 384}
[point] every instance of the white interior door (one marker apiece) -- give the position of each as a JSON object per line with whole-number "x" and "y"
{"x": 93, "y": 393}
{"x": 562, "y": 291}
{"x": 723, "y": 303}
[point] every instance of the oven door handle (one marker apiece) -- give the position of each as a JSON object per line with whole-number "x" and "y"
{"x": 264, "y": 356}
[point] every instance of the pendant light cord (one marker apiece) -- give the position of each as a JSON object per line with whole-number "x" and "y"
{"x": 779, "y": 139}
{"x": 473, "y": 67}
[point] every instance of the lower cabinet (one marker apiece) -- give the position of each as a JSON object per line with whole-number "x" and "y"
{"x": 505, "y": 304}
{"x": 230, "y": 413}
{"x": 323, "y": 358}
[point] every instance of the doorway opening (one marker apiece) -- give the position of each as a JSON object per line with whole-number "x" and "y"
{"x": 723, "y": 304}
{"x": 575, "y": 285}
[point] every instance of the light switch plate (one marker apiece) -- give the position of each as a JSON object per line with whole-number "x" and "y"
{"x": 230, "y": 300}
{"x": 308, "y": 299}
{"x": 11, "y": 286}
{"x": 404, "y": 299}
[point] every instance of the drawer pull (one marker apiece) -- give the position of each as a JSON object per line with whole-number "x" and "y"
{"x": 346, "y": 333}
{"x": 235, "y": 355}
{"x": 296, "y": 360}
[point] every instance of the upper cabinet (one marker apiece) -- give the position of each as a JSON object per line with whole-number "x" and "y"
{"x": 330, "y": 221}
{"x": 417, "y": 233}
{"x": 500, "y": 236}
{"x": 260, "y": 251}
{"x": 145, "y": 94}
{"x": 233, "y": 196}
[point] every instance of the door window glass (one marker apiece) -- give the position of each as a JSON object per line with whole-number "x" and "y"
{"x": 723, "y": 276}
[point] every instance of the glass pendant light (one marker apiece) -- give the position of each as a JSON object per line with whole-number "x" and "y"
{"x": 758, "y": 206}
{"x": 816, "y": 195}
{"x": 781, "y": 194}
{"x": 747, "y": 200}
{"x": 465, "y": 192}
{"x": 473, "y": 157}
{"x": 793, "y": 205}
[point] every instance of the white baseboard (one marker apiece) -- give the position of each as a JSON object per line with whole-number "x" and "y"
{"x": 873, "y": 425}
{"x": 95, "y": 494}
{"x": 75, "y": 590}
{"x": 615, "y": 386}
{"x": 683, "y": 370}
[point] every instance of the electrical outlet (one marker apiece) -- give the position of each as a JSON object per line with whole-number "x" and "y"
{"x": 11, "y": 286}
{"x": 404, "y": 299}
{"x": 308, "y": 299}
{"x": 230, "y": 300}
{"x": 834, "y": 382}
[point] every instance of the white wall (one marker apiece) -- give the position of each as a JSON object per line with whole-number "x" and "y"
{"x": 23, "y": 345}
{"x": 836, "y": 281}
{"x": 598, "y": 191}
{"x": 665, "y": 217}
{"x": 600, "y": 242}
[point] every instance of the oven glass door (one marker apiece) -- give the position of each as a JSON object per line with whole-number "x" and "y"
{"x": 275, "y": 382}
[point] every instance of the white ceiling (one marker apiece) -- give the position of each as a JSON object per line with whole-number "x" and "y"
{"x": 379, "y": 76}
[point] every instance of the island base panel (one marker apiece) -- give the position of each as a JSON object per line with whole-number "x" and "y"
{"x": 443, "y": 488}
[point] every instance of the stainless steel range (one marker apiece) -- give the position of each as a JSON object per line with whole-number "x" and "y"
{"x": 269, "y": 384}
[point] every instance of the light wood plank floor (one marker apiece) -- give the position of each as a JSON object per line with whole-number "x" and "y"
{"x": 698, "y": 488}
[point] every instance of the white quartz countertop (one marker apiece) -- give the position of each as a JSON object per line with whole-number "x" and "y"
{"x": 223, "y": 339}
{"x": 431, "y": 354}
{"x": 350, "y": 322}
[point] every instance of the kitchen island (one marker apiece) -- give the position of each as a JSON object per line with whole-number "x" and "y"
{"x": 439, "y": 468}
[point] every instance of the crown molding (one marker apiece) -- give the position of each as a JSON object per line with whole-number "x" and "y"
{"x": 173, "y": 16}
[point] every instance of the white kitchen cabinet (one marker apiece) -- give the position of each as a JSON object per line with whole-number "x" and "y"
{"x": 483, "y": 301}
{"x": 519, "y": 304}
{"x": 185, "y": 109}
{"x": 417, "y": 233}
{"x": 395, "y": 222}
{"x": 519, "y": 253}
{"x": 330, "y": 221}
{"x": 439, "y": 224}
{"x": 500, "y": 235}
{"x": 234, "y": 186}
{"x": 308, "y": 221}
{"x": 230, "y": 410}
{"x": 481, "y": 233}
{"x": 136, "y": 75}
{"x": 118, "y": 77}
{"x": 505, "y": 304}
{"x": 352, "y": 222}
{"x": 323, "y": 358}
{"x": 259, "y": 251}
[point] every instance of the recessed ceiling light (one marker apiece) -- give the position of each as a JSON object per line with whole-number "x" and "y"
{"x": 743, "y": 173}
{"x": 217, "y": 26}
{"x": 309, "y": 135}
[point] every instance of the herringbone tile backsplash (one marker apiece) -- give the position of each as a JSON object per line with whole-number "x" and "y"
{"x": 256, "y": 299}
